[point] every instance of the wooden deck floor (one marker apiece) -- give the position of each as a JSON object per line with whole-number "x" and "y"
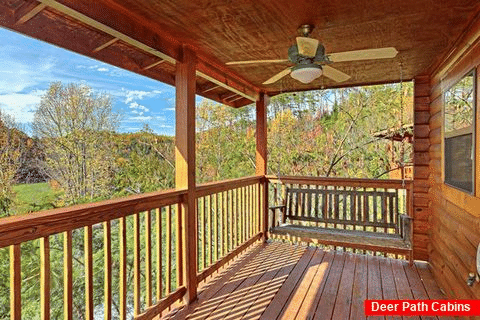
{"x": 283, "y": 281}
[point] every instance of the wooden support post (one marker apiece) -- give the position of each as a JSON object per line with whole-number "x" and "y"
{"x": 185, "y": 83}
{"x": 261, "y": 160}
{"x": 418, "y": 205}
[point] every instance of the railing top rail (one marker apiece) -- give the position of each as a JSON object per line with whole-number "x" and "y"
{"x": 349, "y": 182}
{"x": 18, "y": 229}
{"x": 225, "y": 185}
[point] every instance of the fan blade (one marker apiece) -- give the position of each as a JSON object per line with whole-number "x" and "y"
{"x": 307, "y": 46}
{"x": 368, "y": 54}
{"x": 256, "y": 61}
{"x": 335, "y": 74}
{"x": 278, "y": 76}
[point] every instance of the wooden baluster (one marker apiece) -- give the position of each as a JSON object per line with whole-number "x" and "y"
{"x": 337, "y": 208}
{"x": 225, "y": 222}
{"x": 158, "y": 220}
{"x": 375, "y": 209}
{"x": 231, "y": 217}
{"x": 255, "y": 209}
{"x": 240, "y": 216}
{"x": 249, "y": 210}
{"x": 168, "y": 255}
{"x": 244, "y": 213}
{"x": 200, "y": 236}
{"x": 215, "y": 227}
{"x": 67, "y": 276}
{"x": 210, "y": 228}
{"x": 221, "y": 223}
{"x": 391, "y": 212}
{"x": 122, "y": 236}
{"x": 295, "y": 203}
{"x": 245, "y": 209}
{"x": 15, "y": 282}
{"x": 235, "y": 217}
{"x": 107, "y": 246}
{"x": 179, "y": 245}
{"x": 205, "y": 228}
{"x": 317, "y": 204}
{"x": 45, "y": 278}
{"x": 87, "y": 239}
{"x": 366, "y": 209}
{"x": 384, "y": 209}
{"x": 308, "y": 203}
{"x": 353, "y": 207}
{"x": 136, "y": 265}
{"x": 256, "y": 205}
{"x": 148, "y": 259}
{"x": 344, "y": 204}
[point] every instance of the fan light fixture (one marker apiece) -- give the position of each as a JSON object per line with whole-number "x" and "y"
{"x": 306, "y": 73}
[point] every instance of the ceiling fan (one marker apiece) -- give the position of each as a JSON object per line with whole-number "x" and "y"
{"x": 311, "y": 62}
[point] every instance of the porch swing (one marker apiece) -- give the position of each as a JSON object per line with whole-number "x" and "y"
{"x": 354, "y": 215}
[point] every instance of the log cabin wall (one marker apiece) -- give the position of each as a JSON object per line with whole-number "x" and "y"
{"x": 455, "y": 214}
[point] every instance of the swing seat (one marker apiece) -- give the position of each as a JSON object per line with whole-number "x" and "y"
{"x": 342, "y": 218}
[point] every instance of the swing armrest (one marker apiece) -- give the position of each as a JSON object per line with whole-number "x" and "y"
{"x": 274, "y": 210}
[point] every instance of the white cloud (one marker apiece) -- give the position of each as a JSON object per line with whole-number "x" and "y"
{"x": 140, "y": 118}
{"x": 132, "y": 95}
{"x": 169, "y": 109}
{"x": 21, "y": 106}
{"x": 102, "y": 69}
{"x": 17, "y": 75}
{"x": 135, "y": 105}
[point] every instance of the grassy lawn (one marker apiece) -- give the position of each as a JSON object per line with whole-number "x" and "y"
{"x": 34, "y": 197}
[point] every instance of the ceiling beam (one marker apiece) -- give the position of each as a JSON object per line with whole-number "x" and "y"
{"x": 106, "y": 44}
{"x": 207, "y": 72}
{"x": 32, "y": 13}
{"x": 208, "y": 87}
{"x": 225, "y": 85}
{"x": 102, "y": 27}
{"x": 153, "y": 64}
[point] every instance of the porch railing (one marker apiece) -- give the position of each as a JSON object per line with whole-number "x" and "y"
{"x": 139, "y": 243}
{"x": 228, "y": 221}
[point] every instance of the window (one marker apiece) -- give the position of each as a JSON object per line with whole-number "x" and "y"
{"x": 459, "y": 133}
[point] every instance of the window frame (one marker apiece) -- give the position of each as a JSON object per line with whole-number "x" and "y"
{"x": 473, "y": 73}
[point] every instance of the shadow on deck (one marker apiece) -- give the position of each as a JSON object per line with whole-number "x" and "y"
{"x": 283, "y": 281}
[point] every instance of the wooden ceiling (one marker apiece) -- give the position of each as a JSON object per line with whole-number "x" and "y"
{"x": 146, "y": 36}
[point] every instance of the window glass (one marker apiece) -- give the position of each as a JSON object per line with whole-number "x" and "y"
{"x": 459, "y": 133}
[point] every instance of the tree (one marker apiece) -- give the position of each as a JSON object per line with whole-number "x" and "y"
{"x": 336, "y": 138}
{"x": 75, "y": 126}
{"x": 10, "y": 151}
{"x": 225, "y": 142}
{"x": 145, "y": 161}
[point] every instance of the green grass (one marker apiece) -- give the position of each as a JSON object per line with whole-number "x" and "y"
{"x": 34, "y": 197}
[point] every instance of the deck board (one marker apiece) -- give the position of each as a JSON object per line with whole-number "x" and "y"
{"x": 284, "y": 281}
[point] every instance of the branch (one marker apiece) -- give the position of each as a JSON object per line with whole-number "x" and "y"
{"x": 390, "y": 170}
{"x": 159, "y": 153}
{"x": 334, "y": 159}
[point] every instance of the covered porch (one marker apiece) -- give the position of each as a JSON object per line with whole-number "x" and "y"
{"x": 211, "y": 245}
{"x": 284, "y": 281}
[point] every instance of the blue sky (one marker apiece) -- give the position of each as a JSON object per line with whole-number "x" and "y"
{"x": 28, "y": 66}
